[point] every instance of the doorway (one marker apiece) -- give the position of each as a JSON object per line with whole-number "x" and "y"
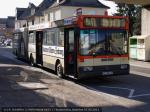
{"x": 39, "y": 42}
{"x": 70, "y": 52}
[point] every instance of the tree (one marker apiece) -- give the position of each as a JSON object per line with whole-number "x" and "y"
{"x": 134, "y": 14}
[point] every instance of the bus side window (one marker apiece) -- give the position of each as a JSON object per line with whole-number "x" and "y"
{"x": 61, "y": 38}
{"x": 45, "y": 38}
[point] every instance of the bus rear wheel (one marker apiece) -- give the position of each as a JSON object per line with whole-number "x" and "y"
{"x": 59, "y": 71}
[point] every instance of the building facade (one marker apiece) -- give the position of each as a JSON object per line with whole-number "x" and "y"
{"x": 145, "y": 30}
{"x": 48, "y": 11}
{"x": 7, "y": 26}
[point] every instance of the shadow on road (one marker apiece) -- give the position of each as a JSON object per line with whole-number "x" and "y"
{"x": 24, "y": 97}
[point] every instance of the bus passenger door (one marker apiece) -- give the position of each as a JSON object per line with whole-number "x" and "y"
{"x": 39, "y": 41}
{"x": 70, "y": 52}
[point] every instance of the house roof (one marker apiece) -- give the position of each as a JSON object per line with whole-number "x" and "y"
{"x": 43, "y": 6}
{"x": 20, "y": 11}
{"x": 9, "y": 22}
{"x": 24, "y": 13}
{"x": 27, "y": 12}
{"x": 3, "y": 20}
{"x": 80, "y": 3}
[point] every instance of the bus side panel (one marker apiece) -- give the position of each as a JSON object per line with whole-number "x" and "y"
{"x": 51, "y": 54}
{"x": 49, "y": 61}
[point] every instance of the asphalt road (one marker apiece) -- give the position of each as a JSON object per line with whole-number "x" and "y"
{"x": 24, "y": 86}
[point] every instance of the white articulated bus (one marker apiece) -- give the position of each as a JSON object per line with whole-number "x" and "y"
{"x": 20, "y": 44}
{"x": 82, "y": 46}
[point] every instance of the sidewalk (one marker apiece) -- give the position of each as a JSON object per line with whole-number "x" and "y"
{"x": 141, "y": 64}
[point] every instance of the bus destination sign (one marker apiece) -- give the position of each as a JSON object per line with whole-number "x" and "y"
{"x": 104, "y": 22}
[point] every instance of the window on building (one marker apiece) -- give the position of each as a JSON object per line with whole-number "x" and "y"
{"x": 51, "y": 17}
{"x": 58, "y": 15}
{"x": 32, "y": 22}
{"x": 32, "y": 11}
{"x": 48, "y": 16}
{"x": 42, "y": 19}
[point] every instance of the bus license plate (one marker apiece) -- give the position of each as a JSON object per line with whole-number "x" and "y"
{"x": 107, "y": 73}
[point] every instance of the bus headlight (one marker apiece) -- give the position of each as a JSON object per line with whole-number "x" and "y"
{"x": 87, "y": 69}
{"x": 124, "y": 66}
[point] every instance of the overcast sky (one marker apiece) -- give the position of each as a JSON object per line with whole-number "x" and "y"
{"x": 7, "y": 7}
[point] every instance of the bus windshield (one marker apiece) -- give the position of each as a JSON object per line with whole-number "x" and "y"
{"x": 103, "y": 42}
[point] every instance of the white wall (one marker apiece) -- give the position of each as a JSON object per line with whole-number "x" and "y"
{"x": 57, "y": 15}
{"x": 37, "y": 20}
{"x": 20, "y": 23}
{"x": 71, "y": 11}
{"x": 145, "y": 21}
{"x": 42, "y": 19}
{"x": 67, "y": 11}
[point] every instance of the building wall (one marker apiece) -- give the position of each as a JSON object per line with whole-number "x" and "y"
{"x": 145, "y": 21}
{"x": 53, "y": 14}
{"x": 20, "y": 23}
{"x": 71, "y": 11}
{"x": 62, "y": 12}
{"x": 37, "y": 20}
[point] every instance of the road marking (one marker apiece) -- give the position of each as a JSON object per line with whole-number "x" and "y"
{"x": 141, "y": 95}
{"x": 131, "y": 94}
{"x": 131, "y": 90}
{"x": 115, "y": 87}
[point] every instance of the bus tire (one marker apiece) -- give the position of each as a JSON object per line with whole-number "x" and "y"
{"x": 32, "y": 60}
{"x": 59, "y": 70}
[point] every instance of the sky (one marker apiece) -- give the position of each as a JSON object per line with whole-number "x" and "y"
{"x": 112, "y": 5}
{"x": 7, "y": 7}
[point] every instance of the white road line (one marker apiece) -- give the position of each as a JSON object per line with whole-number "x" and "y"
{"x": 131, "y": 93}
{"x": 141, "y": 95}
{"x": 96, "y": 91}
{"x": 116, "y": 87}
{"x": 131, "y": 90}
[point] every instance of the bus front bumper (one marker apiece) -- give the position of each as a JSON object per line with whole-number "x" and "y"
{"x": 111, "y": 70}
